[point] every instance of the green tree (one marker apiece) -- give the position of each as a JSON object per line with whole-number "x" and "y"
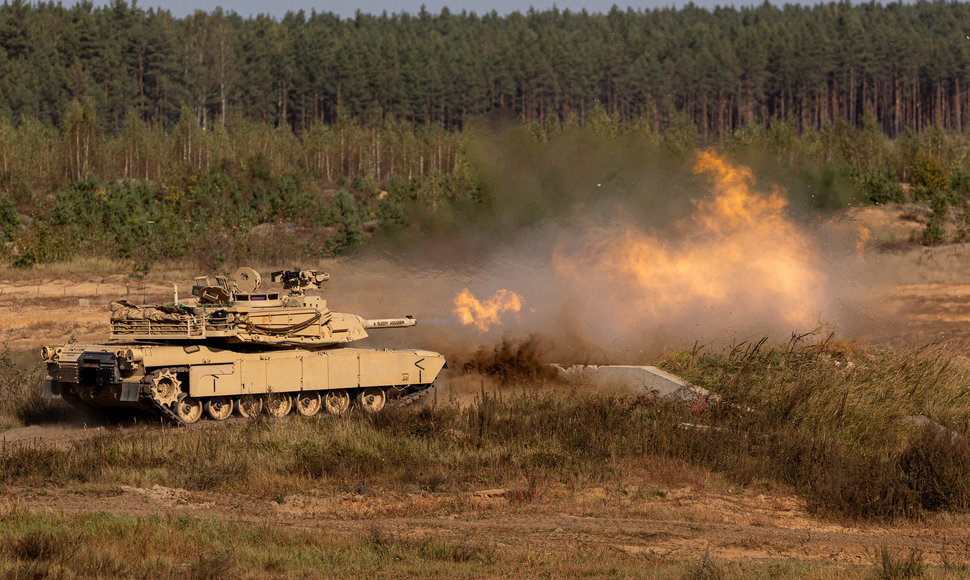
{"x": 346, "y": 217}
{"x": 81, "y": 138}
{"x": 9, "y": 220}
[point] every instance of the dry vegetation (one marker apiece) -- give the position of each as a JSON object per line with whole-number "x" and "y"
{"x": 104, "y": 545}
{"x": 841, "y": 424}
{"x": 20, "y": 394}
{"x": 825, "y": 421}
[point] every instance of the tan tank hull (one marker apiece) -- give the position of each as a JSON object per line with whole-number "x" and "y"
{"x": 234, "y": 347}
{"x": 180, "y": 382}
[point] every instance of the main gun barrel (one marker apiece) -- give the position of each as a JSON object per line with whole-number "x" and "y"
{"x": 388, "y": 322}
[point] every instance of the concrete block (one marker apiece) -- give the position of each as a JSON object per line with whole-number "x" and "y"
{"x": 642, "y": 379}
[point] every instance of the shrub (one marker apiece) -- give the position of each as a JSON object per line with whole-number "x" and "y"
{"x": 934, "y": 233}
{"x": 890, "y": 567}
{"x": 927, "y": 172}
{"x": 9, "y": 221}
{"x": 350, "y": 232}
{"x": 20, "y": 393}
{"x": 878, "y": 185}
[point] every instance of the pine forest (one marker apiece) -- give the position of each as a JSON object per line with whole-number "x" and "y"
{"x": 139, "y": 132}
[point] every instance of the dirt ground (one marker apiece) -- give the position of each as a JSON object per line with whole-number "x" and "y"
{"x": 924, "y": 292}
{"x": 678, "y": 524}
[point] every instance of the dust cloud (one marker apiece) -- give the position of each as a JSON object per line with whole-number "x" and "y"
{"x": 616, "y": 252}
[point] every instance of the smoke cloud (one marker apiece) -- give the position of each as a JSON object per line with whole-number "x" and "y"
{"x": 616, "y": 250}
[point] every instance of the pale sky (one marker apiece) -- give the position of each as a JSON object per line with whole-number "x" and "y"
{"x": 278, "y": 8}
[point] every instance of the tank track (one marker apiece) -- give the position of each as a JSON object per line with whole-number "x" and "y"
{"x": 165, "y": 412}
{"x": 409, "y": 399}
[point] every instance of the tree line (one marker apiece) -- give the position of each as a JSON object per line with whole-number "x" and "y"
{"x": 906, "y": 64}
{"x": 255, "y": 191}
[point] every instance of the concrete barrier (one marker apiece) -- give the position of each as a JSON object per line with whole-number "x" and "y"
{"x": 643, "y": 379}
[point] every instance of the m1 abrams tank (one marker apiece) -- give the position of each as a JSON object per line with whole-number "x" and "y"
{"x": 235, "y": 347}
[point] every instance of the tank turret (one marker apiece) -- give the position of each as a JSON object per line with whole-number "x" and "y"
{"x": 238, "y": 310}
{"x": 234, "y": 345}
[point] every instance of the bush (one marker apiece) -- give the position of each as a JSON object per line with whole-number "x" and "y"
{"x": 927, "y": 172}
{"x": 20, "y": 392}
{"x": 934, "y": 233}
{"x": 890, "y": 567}
{"x": 830, "y": 430}
{"x": 877, "y": 185}
{"x": 391, "y": 213}
{"x": 350, "y": 232}
{"x": 25, "y": 260}
{"x": 9, "y": 221}
{"x": 960, "y": 183}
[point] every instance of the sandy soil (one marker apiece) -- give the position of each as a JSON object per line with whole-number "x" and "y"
{"x": 38, "y": 312}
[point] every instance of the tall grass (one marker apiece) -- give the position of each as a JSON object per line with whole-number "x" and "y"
{"x": 20, "y": 394}
{"x": 830, "y": 421}
{"x": 494, "y": 441}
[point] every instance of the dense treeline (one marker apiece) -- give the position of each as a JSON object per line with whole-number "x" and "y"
{"x": 148, "y": 194}
{"x": 907, "y": 64}
{"x": 131, "y": 134}
{"x": 252, "y": 191}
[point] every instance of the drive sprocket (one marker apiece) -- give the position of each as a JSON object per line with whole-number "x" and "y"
{"x": 166, "y": 387}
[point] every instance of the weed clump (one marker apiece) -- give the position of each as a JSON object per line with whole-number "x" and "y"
{"x": 34, "y": 546}
{"x": 889, "y": 566}
{"x": 705, "y": 569}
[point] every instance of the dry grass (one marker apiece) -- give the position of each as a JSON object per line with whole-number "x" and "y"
{"x": 820, "y": 420}
{"x": 829, "y": 420}
{"x": 86, "y": 266}
{"x": 20, "y": 394}
{"x": 825, "y": 421}
{"x": 103, "y": 545}
{"x": 890, "y": 566}
{"x": 497, "y": 441}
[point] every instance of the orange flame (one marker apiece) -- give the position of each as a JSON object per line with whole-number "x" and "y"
{"x": 742, "y": 255}
{"x": 860, "y": 244}
{"x": 471, "y": 310}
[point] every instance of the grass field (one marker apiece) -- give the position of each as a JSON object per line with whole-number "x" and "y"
{"x": 829, "y": 423}
{"x": 105, "y": 545}
{"x": 858, "y": 433}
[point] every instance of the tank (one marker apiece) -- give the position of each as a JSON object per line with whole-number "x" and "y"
{"x": 234, "y": 346}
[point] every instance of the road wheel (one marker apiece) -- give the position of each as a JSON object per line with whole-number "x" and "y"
{"x": 278, "y": 404}
{"x": 249, "y": 406}
{"x": 371, "y": 399}
{"x": 337, "y": 402}
{"x": 188, "y": 409}
{"x": 308, "y": 403}
{"x": 219, "y": 408}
